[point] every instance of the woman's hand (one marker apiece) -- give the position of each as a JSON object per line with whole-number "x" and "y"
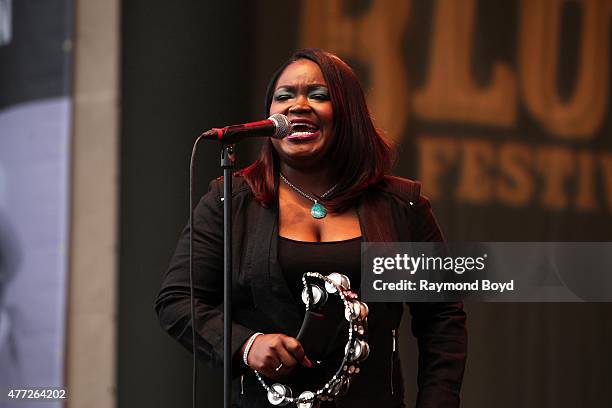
{"x": 275, "y": 355}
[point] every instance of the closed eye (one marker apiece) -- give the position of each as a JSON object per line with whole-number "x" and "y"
{"x": 318, "y": 92}
{"x": 282, "y": 97}
{"x": 320, "y": 96}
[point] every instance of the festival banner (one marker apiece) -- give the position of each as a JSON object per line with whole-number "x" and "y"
{"x": 501, "y": 109}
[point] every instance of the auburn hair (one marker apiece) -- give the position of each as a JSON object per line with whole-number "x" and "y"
{"x": 360, "y": 155}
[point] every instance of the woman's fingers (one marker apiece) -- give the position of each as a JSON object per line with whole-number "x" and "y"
{"x": 294, "y": 347}
{"x": 266, "y": 361}
{"x": 273, "y": 369}
{"x": 275, "y": 355}
{"x": 286, "y": 358}
{"x": 297, "y": 351}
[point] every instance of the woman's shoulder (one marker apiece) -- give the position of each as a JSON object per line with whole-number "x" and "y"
{"x": 408, "y": 194}
{"x": 239, "y": 185}
{"x": 407, "y": 189}
{"x": 214, "y": 196}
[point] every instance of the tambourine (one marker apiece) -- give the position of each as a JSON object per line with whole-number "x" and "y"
{"x": 356, "y": 350}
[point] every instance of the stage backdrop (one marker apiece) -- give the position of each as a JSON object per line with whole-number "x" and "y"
{"x": 501, "y": 108}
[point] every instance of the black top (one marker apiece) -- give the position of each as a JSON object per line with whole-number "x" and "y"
{"x": 322, "y": 340}
{"x": 298, "y": 257}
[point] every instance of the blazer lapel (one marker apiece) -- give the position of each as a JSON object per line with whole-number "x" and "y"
{"x": 270, "y": 291}
{"x": 375, "y": 218}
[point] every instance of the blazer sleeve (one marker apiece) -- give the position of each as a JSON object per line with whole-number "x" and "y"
{"x": 173, "y": 301}
{"x": 440, "y": 331}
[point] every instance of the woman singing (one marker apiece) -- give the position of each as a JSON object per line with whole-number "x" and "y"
{"x": 306, "y": 205}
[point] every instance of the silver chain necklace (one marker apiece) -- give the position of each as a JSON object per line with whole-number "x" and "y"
{"x": 317, "y": 210}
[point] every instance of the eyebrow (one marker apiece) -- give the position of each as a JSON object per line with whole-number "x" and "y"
{"x": 293, "y": 87}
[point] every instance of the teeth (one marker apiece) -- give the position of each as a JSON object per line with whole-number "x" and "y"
{"x": 306, "y": 126}
{"x": 299, "y": 134}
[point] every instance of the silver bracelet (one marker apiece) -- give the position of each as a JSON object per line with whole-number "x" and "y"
{"x": 248, "y": 347}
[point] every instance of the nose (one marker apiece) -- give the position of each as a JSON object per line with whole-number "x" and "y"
{"x": 301, "y": 105}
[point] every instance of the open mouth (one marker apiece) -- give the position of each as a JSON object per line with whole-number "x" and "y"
{"x": 303, "y": 131}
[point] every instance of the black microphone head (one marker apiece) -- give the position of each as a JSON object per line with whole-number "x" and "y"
{"x": 283, "y": 125}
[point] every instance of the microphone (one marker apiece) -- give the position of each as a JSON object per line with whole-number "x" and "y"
{"x": 276, "y": 126}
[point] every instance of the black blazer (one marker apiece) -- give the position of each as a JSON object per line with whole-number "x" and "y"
{"x": 392, "y": 211}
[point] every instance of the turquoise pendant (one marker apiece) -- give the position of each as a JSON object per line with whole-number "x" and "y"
{"x": 318, "y": 211}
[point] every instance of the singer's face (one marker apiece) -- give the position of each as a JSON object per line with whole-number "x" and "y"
{"x": 301, "y": 93}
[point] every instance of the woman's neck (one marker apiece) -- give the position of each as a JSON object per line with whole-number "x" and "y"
{"x": 311, "y": 181}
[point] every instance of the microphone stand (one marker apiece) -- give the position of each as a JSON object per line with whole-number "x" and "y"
{"x": 227, "y": 164}
{"x": 228, "y": 161}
